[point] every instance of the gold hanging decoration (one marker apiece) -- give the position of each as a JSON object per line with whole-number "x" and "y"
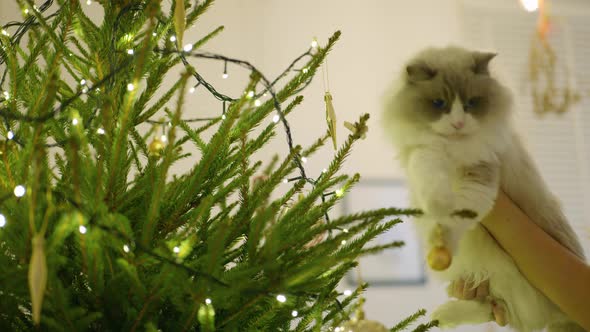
{"x": 543, "y": 66}
{"x": 439, "y": 257}
{"x": 37, "y": 276}
{"x": 331, "y": 118}
{"x": 179, "y": 22}
{"x": 330, "y": 112}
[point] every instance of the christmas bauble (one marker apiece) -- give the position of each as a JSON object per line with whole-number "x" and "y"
{"x": 363, "y": 326}
{"x": 439, "y": 258}
{"x": 156, "y": 147}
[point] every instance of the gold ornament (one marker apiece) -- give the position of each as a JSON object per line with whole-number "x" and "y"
{"x": 156, "y": 147}
{"x": 37, "y": 276}
{"x": 318, "y": 238}
{"x": 439, "y": 258}
{"x": 331, "y": 118}
{"x": 359, "y": 323}
{"x": 364, "y": 326}
{"x": 548, "y": 94}
{"x": 179, "y": 22}
{"x": 206, "y": 317}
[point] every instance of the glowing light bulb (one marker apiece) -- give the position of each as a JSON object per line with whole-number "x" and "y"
{"x": 285, "y": 181}
{"x": 314, "y": 43}
{"x": 84, "y": 90}
{"x": 208, "y": 301}
{"x": 100, "y": 131}
{"x": 176, "y": 250}
{"x": 26, "y": 11}
{"x": 75, "y": 121}
{"x": 6, "y": 94}
{"x": 304, "y": 159}
{"x": 281, "y": 298}
{"x": 343, "y": 242}
{"x": 188, "y": 47}
{"x": 192, "y": 89}
{"x": 224, "y": 75}
{"x": 347, "y": 292}
{"x": 4, "y": 32}
{"x": 172, "y": 38}
{"x": 294, "y": 313}
{"x": 250, "y": 94}
{"x": 19, "y": 191}
{"x": 88, "y": 2}
{"x": 10, "y": 134}
{"x": 82, "y": 82}
{"x": 130, "y": 51}
{"x": 163, "y": 138}
{"x": 324, "y": 170}
{"x": 339, "y": 192}
{"x": 125, "y": 248}
{"x": 154, "y": 34}
{"x": 305, "y": 70}
{"x": 530, "y": 5}
{"x": 130, "y": 87}
{"x": 2, "y": 220}
{"x": 223, "y": 117}
{"x": 257, "y": 102}
{"x": 345, "y": 230}
{"x": 276, "y": 118}
{"x": 82, "y": 229}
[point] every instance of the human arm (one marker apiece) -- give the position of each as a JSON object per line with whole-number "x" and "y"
{"x": 554, "y": 270}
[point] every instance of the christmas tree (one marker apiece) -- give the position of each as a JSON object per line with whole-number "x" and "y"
{"x": 95, "y": 231}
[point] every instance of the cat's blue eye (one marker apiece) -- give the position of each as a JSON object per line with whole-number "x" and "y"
{"x": 439, "y": 103}
{"x": 471, "y": 103}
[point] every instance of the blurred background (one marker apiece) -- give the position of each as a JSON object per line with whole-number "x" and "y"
{"x": 540, "y": 49}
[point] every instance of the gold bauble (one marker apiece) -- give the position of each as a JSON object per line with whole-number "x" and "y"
{"x": 363, "y": 326}
{"x": 439, "y": 258}
{"x": 156, "y": 147}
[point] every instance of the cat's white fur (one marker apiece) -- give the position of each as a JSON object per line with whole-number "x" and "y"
{"x": 436, "y": 156}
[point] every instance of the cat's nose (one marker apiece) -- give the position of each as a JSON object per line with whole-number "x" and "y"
{"x": 458, "y": 125}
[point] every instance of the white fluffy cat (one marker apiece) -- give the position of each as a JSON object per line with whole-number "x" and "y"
{"x": 450, "y": 121}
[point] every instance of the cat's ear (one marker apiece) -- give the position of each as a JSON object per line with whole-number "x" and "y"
{"x": 481, "y": 62}
{"x": 420, "y": 71}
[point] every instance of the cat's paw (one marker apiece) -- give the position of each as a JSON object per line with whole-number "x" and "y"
{"x": 500, "y": 313}
{"x": 467, "y": 290}
{"x": 458, "y": 312}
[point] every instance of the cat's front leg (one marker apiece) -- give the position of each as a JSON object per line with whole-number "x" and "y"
{"x": 475, "y": 191}
{"x": 429, "y": 173}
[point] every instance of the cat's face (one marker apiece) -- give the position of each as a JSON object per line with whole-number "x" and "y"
{"x": 451, "y": 92}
